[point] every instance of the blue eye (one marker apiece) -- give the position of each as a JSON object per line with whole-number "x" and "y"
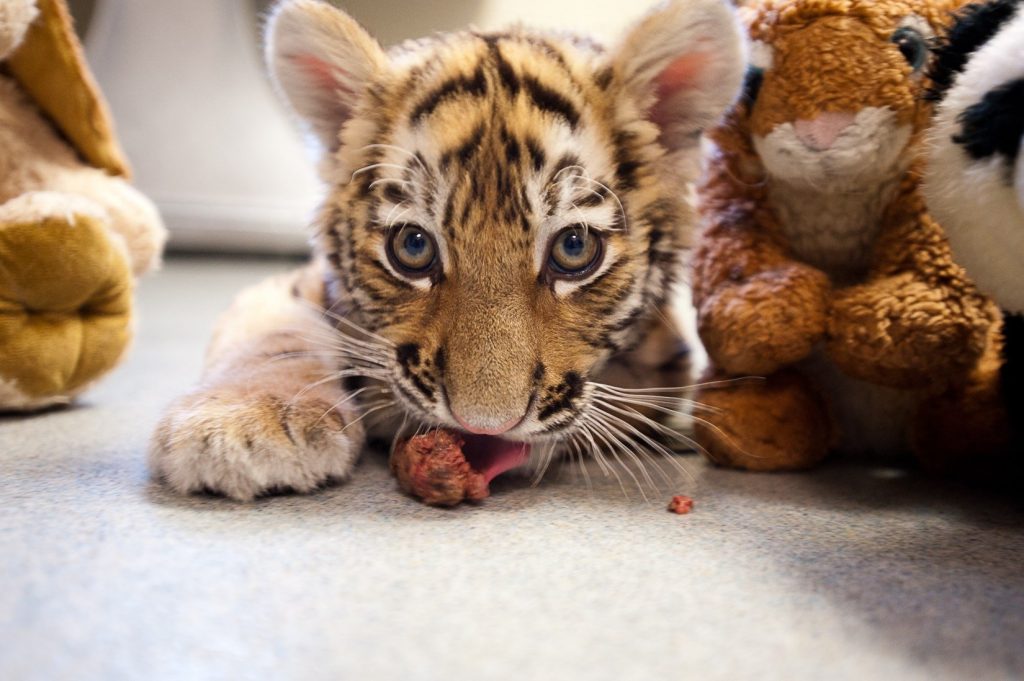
{"x": 575, "y": 252}
{"x": 411, "y": 250}
{"x": 574, "y": 245}
{"x": 415, "y": 244}
{"x": 912, "y": 45}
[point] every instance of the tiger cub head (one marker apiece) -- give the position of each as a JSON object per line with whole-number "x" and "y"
{"x": 505, "y": 210}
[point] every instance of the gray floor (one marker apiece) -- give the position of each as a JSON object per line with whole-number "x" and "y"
{"x": 849, "y": 573}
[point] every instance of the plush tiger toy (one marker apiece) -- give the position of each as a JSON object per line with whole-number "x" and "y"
{"x": 496, "y": 254}
{"x": 820, "y": 267}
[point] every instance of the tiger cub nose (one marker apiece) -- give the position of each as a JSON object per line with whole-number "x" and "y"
{"x": 822, "y": 132}
{"x": 480, "y": 426}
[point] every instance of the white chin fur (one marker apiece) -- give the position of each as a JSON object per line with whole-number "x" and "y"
{"x": 870, "y": 149}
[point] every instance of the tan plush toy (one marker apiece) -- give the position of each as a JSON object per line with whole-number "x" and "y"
{"x": 73, "y": 233}
{"x": 820, "y": 268}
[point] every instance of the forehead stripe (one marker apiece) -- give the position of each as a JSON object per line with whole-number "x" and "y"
{"x": 475, "y": 85}
{"x": 506, "y": 73}
{"x": 537, "y": 156}
{"x": 464, "y": 152}
{"x": 544, "y": 97}
{"x": 550, "y": 101}
{"x": 513, "y": 151}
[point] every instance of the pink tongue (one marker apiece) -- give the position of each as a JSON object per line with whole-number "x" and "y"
{"x": 491, "y": 456}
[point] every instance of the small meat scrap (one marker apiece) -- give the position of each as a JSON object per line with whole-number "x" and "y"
{"x": 680, "y": 505}
{"x": 433, "y": 468}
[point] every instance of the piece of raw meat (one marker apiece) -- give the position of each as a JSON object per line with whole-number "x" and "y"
{"x": 433, "y": 468}
{"x": 680, "y": 505}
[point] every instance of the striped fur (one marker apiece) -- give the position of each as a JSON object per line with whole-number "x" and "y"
{"x": 493, "y": 143}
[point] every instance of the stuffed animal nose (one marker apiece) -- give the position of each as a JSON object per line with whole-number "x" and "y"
{"x": 822, "y": 132}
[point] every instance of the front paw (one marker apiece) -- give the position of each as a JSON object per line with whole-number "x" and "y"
{"x": 767, "y": 322}
{"x": 15, "y": 18}
{"x": 903, "y": 333}
{"x": 243, "y": 443}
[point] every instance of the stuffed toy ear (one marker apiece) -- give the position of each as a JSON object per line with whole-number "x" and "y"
{"x": 321, "y": 61}
{"x": 684, "y": 63}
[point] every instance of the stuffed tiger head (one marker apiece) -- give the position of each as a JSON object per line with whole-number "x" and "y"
{"x": 833, "y": 97}
{"x": 505, "y": 209}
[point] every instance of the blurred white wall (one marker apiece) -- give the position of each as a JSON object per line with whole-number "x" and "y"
{"x": 395, "y": 20}
{"x": 604, "y": 19}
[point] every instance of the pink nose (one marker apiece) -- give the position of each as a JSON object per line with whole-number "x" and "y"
{"x": 480, "y": 430}
{"x": 822, "y": 132}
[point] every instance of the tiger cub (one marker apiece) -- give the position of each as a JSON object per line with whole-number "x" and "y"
{"x": 498, "y": 251}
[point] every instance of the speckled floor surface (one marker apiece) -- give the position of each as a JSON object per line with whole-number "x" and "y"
{"x": 852, "y": 572}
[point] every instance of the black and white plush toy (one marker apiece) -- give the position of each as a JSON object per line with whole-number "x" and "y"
{"x": 975, "y": 182}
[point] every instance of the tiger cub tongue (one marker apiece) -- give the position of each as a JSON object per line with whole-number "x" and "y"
{"x": 491, "y": 456}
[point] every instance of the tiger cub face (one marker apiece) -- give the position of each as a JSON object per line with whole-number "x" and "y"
{"x": 505, "y": 209}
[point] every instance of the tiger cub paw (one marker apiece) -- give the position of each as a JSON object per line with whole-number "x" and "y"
{"x": 243, "y": 443}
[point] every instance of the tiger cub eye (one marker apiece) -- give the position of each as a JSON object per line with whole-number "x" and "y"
{"x": 411, "y": 250}
{"x": 575, "y": 252}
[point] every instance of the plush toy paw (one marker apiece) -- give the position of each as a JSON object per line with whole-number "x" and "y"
{"x": 15, "y": 18}
{"x": 242, "y": 443}
{"x": 766, "y": 322}
{"x": 775, "y": 424}
{"x": 131, "y": 215}
{"x": 967, "y": 430}
{"x": 136, "y": 219}
{"x": 65, "y": 299}
{"x": 902, "y": 333}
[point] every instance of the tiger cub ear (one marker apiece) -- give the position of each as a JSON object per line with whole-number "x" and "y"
{"x": 321, "y": 61}
{"x": 684, "y": 64}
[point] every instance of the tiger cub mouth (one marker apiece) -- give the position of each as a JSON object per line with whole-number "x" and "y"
{"x": 491, "y": 455}
{"x": 446, "y": 467}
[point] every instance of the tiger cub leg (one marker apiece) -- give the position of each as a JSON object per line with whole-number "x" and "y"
{"x": 263, "y": 418}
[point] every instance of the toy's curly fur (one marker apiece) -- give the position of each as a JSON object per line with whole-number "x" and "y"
{"x": 820, "y": 268}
